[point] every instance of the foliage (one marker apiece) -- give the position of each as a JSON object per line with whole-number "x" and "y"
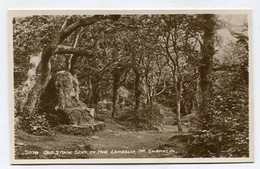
{"x": 229, "y": 135}
{"x": 148, "y": 118}
{"x": 157, "y": 59}
{"x": 31, "y": 35}
{"x": 34, "y": 124}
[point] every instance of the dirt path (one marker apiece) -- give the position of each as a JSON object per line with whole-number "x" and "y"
{"x": 128, "y": 140}
{"x": 115, "y": 141}
{"x": 115, "y": 137}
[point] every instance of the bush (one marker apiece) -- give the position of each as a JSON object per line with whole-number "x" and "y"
{"x": 167, "y": 101}
{"x": 229, "y": 135}
{"x": 147, "y": 118}
{"x": 34, "y": 124}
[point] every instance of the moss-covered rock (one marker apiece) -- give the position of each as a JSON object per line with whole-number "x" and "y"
{"x": 60, "y": 102}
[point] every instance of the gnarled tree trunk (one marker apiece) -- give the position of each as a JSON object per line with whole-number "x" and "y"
{"x": 53, "y": 48}
{"x": 41, "y": 82}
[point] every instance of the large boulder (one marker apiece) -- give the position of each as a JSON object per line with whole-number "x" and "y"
{"x": 60, "y": 102}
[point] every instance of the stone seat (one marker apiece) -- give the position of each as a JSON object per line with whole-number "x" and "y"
{"x": 83, "y": 130}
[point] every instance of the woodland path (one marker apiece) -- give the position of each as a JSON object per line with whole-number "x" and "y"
{"x": 113, "y": 137}
{"x": 116, "y": 137}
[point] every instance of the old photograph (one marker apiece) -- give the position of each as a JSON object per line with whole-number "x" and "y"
{"x": 130, "y": 86}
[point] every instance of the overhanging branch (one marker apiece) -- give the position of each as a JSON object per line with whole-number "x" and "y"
{"x": 85, "y": 22}
{"x": 80, "y": 51}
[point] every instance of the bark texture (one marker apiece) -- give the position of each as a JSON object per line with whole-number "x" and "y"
{"x": 205, "y": 71}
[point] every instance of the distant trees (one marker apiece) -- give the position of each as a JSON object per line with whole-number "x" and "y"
{"x": 179, "y": 47}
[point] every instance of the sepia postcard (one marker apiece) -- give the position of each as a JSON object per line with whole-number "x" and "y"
{"x": 130, "y": 86}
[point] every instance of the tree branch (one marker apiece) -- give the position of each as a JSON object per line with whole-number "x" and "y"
{"x": 164, "y": 87}
{"x": 80, "y": 51}
{"x": 85, "y": 22}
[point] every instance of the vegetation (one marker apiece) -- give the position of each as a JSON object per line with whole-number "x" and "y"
{"x": 125, "y": 65}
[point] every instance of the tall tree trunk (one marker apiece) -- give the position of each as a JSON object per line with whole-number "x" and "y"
{"x": 184, "y": 107}
{"x": 179, "y": 114}
{"x": 205, "y": 71}
{"x": 137, "y": 90}
{"x": 95, "y": 97}
{"x": 41, "y": 82}
{"x": 30, "y": 82}
{"x": 178, "y": 91}
{"x": 116, "y": 80}
{"x": 151, "y": 99}
{"x": 71, "y": 60}
{"x": 191, "y": 106}
{"x": 90, "y": 91}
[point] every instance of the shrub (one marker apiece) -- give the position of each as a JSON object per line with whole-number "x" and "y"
{"x": 146, "y": 118}
{"x": 34, "y": 124}
{"x": 229, "y": 135}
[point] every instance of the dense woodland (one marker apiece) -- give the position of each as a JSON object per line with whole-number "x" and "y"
{"x": 197, "y": 65}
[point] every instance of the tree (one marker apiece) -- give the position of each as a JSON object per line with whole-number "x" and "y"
{"x": 205, "y": 70}
{"x": 177, "y": 48}
{"x": 55, "y": 47}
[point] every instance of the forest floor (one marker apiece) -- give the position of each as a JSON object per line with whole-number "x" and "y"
{"x": 115, "y": 141}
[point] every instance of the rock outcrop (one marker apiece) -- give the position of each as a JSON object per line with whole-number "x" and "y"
{"x": 60, "y": 102}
